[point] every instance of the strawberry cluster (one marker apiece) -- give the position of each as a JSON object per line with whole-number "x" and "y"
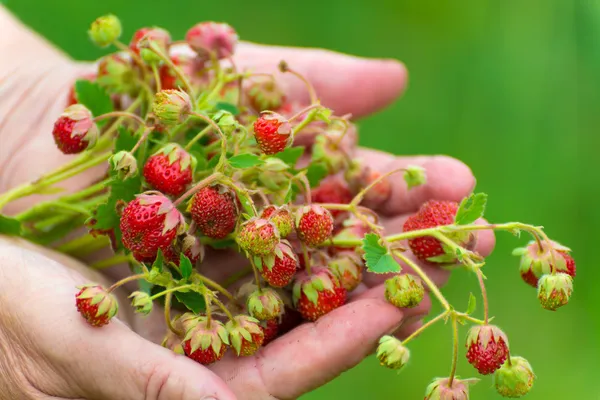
{"x": 204, "y": 156}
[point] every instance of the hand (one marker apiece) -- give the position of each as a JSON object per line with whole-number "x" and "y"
{"x": 321, "y": 350}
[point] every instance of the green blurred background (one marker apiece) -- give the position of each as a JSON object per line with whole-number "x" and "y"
{"x": 509, "y": 86}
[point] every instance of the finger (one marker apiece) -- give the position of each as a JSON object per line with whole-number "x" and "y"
{"x": 347, "y": 84}
{"x": 447, "y": 179}
{"x": 321, "y": 351}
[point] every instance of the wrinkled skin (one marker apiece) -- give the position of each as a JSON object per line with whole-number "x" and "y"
{"x": 47, "y": 349}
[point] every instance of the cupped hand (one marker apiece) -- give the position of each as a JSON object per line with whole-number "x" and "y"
{"x": 77, "y": 361}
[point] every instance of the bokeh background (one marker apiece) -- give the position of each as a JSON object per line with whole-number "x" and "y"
{"x": 509, "y": 86}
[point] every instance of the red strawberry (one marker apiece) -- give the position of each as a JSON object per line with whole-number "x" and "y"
{"x": 96, "y": 305}
{"x": 281, "y": 217}
{"x": 264, "y": 94}
{"x": 149, "y": 223}
{"x": 314, "y": 225}
{"x": 318, "y": 293}
{"x": 270, "y": 330}
{"x": 487, "y": 348}
{"x": 431, "y": 214}
{"x": 203, "y": 343}
{"x": 215, "y": 212}
{"x": 190, "y": 246}
{"x": 332, "y": 190}
{"x": 279, "y": 269}
{"x": 273, "y": 133}
{"x": 212, "y": 38}
{"x": 536, "y": 262}
{"x": 258, "y": 237}
{"x": 168, "y": 78}
{"x": 245, "y": 335}
{"x": 75, "y": 130}
{"x": 137, "y": 36}
{"x": 170, "y": 170}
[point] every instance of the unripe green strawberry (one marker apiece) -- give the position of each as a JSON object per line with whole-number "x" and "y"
{"x": 105, "y": 30}
{"x": 318, "y": 293}
{"x": 554, "y": 290}
{"x": 153, "y": 38}
{"x": 96, "y": 305}
{"x": 440, "y": 389}
{"x": 171, "y": 107}
{"x": 245, "y": 335}
{"x": 264, "y": 304}
{"x": 487, "y": 348}
{"x": 264, "y": 94}
{"x": 314, "y": 225}
{"x": 258, "y": 237}
{"x": 514, "y": 379}
{"x": 391, "y": 353}
{"x": 204, "y": 343}
{"x": 125, "y": 164}
{"x": 404, "y": 291}
{"x": 117, "y": 75}
{"x": 141, "y": 302}
{"x": 536, "y": 261}
{"x": 347, "y": 266}
{"x": 281, "y": 217}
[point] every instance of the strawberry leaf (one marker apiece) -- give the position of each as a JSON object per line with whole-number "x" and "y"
{"x": 9, "y": 226}
{"x": 291, "y": 155}
{"x": 194, "y": 301}
{"x": 94, "y": 97}
{"x": 377, "y": 256}
{"x": 315, "y": 173}
{"x": 472, "y": 304}
{"x": 221, "y": 105}
{"x": 185, "y": 266}
{"x": 246, "y": 202}
{"x": 159, "y": 261}
{"x": 245, "y": 161}
{"x": 470, "y": 209}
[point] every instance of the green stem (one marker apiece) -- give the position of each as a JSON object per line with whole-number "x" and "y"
{"x": 198, "y": 137}
{"x": 359, "y": 197}
{"x": 156, "y": 78}
{"x": 168, "y": 321}
{"x": 309, "y": 118}
{"x": 222, "y": 307}
{"x": 84, "y": 245}
{"x": 454, "y": 350}
{"x": 256, "y": 274}
{"x": 306, "y": 258}
{"x": 424, "y": 327}
{"x": 215, "y": 126}
{"x": 175, "y": 68}
{"x": 125, "y": 281}
{"x": 112, "y": 261}
{"x": 120, "y": 114}
{"x": 171, "y": 290}
{"x": 484, "y": 295}
{"x": 219, "y": 288}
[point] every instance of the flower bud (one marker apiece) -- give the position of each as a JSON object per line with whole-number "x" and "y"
{"x": 347, "y": 266}
{"x": 245, "y": 334}
{"x": 440, "y": 389}
{"x": 514, "y": 379}
{"x": 404, "y": 291}
{"x": 391, "y": 353}
{"x": 142, "y": 302}
{"x": 105, "y": 30}
{"x": 264, "y": 94}
{"x": 171, "y": 107}
{"x": 153, "y": 40}
{"x": 208, "y": 38}
{"x": 264, "y": 304}
{"x": 125, "y": 164}
{"x": 554, "y": 290}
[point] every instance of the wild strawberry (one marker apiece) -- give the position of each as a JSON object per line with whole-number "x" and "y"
{"x": 152, "y": 38}
{"x": 380, "y": 192}
{"x": 170, "y": 170}
{"x": 105, "y": 30}
{"x": 281, "y": 217}
{"x": 171, "y": 107}
{"x": 75, "y": 130}
{"x": 332, "y": 190}
{"x": 487, "y": 348}
{"x": 264, "y": 304}
{"x": 440, "y": 389}
{"x": 204, "y": 343}
{"x": 347, "y": 266}
{"x": 352, "y": 229}
{"x": 554, "y": 290}
{"x": 190, "y": 246}
{"x": 149, "y": 223}
{"x": 514, "y": 378}
{"x": 327, "y": 151}
{"x": 431, "y": 214}
{"x": 391, "y": 353}
{"x": 270, "y": 330}
{"x": 168, "y": 78}
{"x": 279, "y": 269}
{"x": 404, "y": 291}
{"x": 536, "y": 261}
{"x": 141, "y": 302}
{"x": 124, "y": 164}
{"x": 264, "y": 94}
{"x": 206, "y": 38}
{"x": 96, "y": 305}
{"x": 314, "y": 225}
{"x": 318, "y": 293}
{"x": 258, "y": 237}
{"x": 273, "y": 133}
{"x": 72, "y": 96}
{"x": 245, "y": 335}
{"x": 116, "y": 75}
{"x": 215, "y": 212}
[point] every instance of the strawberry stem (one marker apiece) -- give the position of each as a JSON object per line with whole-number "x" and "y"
{"x": 126, "y": 280}
{"x": 168, "y": 320}
{"x": 221, "y": 164}
{"x": 217, "y": 287}
{"x": 225, "y": 309}
{"x": 157, "y": 81}
{"x": 359, "y": 197}
{"x": 198, "y": 136}
{"x": 174, "y": 68}
{"x": 120, "y": 114}
{"x": 424, "y": 327}
{"x": 284, "y": 67}
{"x": 256, "y": 273}
{"x": 313, "y": 106}
{"x": 306, "y": 257}
{"x": 484, "y": 295}
{"x": 203, "y": 183}
{"x": 171, "y": 290}
{"x": 454, "y": 349}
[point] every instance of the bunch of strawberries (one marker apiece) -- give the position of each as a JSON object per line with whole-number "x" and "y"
{"x": 204, "y": 158}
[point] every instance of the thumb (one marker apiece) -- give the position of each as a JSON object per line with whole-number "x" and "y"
{"x": 122, "y": 365}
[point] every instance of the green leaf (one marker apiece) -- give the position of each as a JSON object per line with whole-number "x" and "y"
{"x": 94, "y": 97}
{"x": 159, "y": 261}
{"x": 414, "y": 176}
{"x": 471, "y": 208}
{"x": 246, "y": 202}
{"x": 291, "y": 155}
{"x": 472, "y": 304}
{"x": 185, "y": 266}
{"x": 194, "y": 301}
{"x": 315, "y": 173}
{"x": 221, "y": 105}
{"x": 245, "y": 161}
{"x": 9, "y": 226}
{"x": 377, "y": 256}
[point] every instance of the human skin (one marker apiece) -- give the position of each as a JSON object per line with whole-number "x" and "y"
{"x": 49, "y": 352}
